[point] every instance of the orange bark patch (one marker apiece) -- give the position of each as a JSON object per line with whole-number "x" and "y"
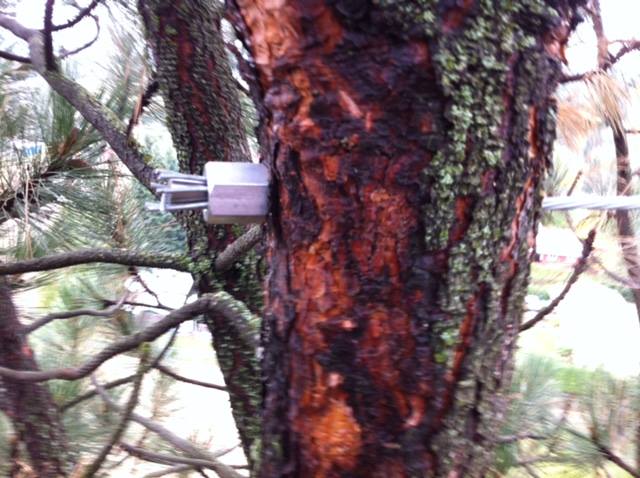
{"x": 333, "y": 439}
{"x": 330, "y": 434}
{"x": 507, "y": 252}
{"x": 302, "y": 123}
{"x": 465, "y": 335}
{"x": 463, "y": 218}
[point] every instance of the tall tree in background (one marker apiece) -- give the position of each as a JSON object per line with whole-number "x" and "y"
{"x": 407, "y": 143}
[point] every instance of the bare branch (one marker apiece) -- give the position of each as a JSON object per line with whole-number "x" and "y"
{"x": 10, "y": 56}
{"x": 86, "y": 45}
{"x": 48, "y": 38}
{"x": 167, "y": 459}
{"x": 16, "y": 28}
{"x": 84, "y": 12}
{"x": 219, "y": 302}
{"x": 92, "y": 393}
{"x": 238, "y": 248}
{"x": 630, "y": 46}
{"x": 74, "y": 313}
{"x": 579, "y": 268}
{"x": 180, "y": 443}
{"x": 87, "y": 256}
{"x": 501, "y": 440}
{"x": 117, "y": 433}
{"x": 120, "y": 381}
{"x": 142, "y": 304}
{"x": 170, "y": 373}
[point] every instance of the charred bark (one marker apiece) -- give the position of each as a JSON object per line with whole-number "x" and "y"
{"x": 409, "y": 143}
{"x": 29, "y": 406}
{"x": 205, "y": 120}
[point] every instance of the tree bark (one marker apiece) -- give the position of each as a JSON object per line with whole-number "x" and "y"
{"x": 205, "y": 120}
{"x": 29, "y": 406}
{"x": 409, "y": 143}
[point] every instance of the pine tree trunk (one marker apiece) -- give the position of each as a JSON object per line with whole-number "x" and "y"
{"x": 28, "y": 405}
{"x": 205, "y": 120}
{"x": 409, "y": 144}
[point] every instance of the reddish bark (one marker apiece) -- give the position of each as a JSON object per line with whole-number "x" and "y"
{"x": 29, "y": 406}
{"x": 371, "y": 281}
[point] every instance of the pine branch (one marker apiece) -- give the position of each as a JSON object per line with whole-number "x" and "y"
{"x": 117, "y": 434}
{"x": 89, "y": 256}
{"x": 74, "y": 313}
{"x": 170, "y": 373}
{"x": 606, "y": 452}
{"x": 179, "y": 443}
{"x": 100, "y": 117}
{"x": 219, "y": 302}
{"x": 578, "y": 269}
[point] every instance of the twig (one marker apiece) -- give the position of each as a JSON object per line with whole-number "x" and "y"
{"x": 134, "y": 303}
{"x": 219, "y": 302}
{"x": 92, "y": 393}
{"x": 574, "y": 183}
{"x": 170, "y": 373}
{"x": 579, "y": 268}
{"x": 166, "y": 459}
{"x": 180, "y": 443}
{"x": 87, "y": 44}
{"x": 502, "y": 440}
{"x": 168, "y": 471}
{"x": 88, "y": 256}
{"x": 48, "y": 38}
{"x": 238, "y": 248}
{"x": 74, "y": 313}
{"x": 96, "y": 464}
{"x": 84, "y": 12}
{"x": 628, "y": 48}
